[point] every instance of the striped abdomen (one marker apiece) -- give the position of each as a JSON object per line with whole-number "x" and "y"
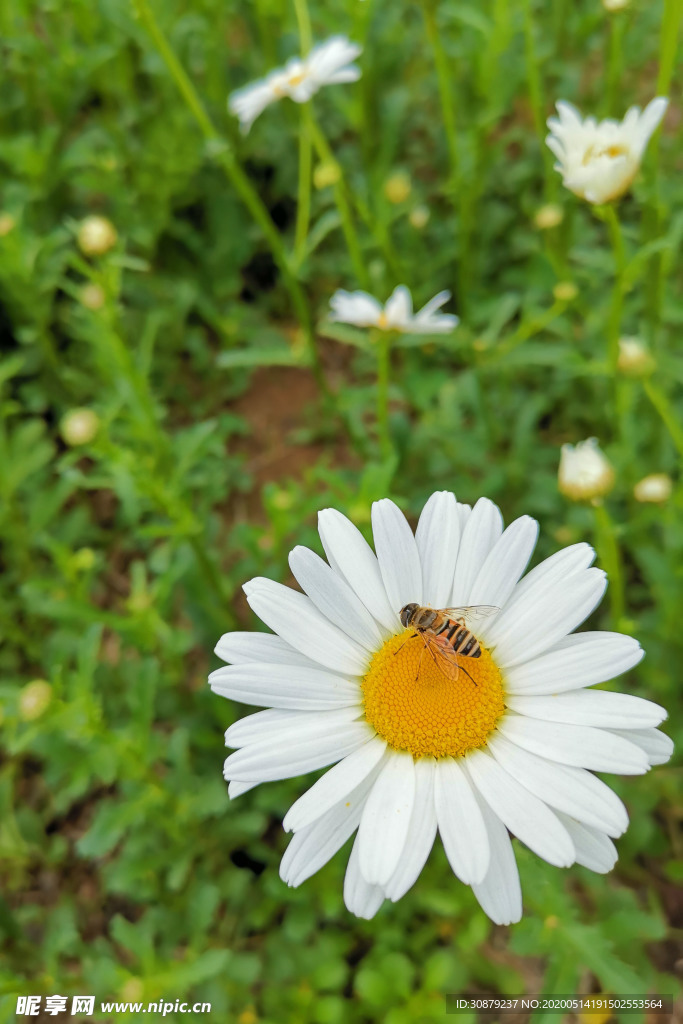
{"x": 459, "y": 637}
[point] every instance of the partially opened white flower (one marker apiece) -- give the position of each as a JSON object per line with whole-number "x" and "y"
{"x": 327, "y": 64}
{"x": 364, "y": 310}
{"x": 598, "y": 160}
{"x": 508, "y": 746}
{"x": 585, "y": 473}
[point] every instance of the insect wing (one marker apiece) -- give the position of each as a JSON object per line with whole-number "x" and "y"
{"x": 443, "y": 656}
{"x": 472, "y": 615}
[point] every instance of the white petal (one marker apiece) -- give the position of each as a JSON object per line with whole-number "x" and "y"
{"x": 386, "y": 816}
{"x": 429, "y": 308}
{"x": 311, "y": 748}
{"x": 649, "y": 120}
{"x": 544, "y": 616}
{"x": 265, "y": 725}
{"x": 577, "y": 745}
{"x": 399, "y": 308}
{"x": 351, "y": 557}
{"x": 504, "y": 564}
{"x": 525, "y": 815}
{"x": 399, "y": 561}
{"x": 482, "y": 529}
{"x": 236, "y": 789}
{"x": 334, "y": 785}
{"x": 461, "y": 825}
{"x": 241, "y": 648}
{"x": 591, "y": 707}
{"x": 500, "y": 893}
{"x": 657, "y": 746}
{"x": 556, "y": 568}
{"x": 437, "y": 537}
{"x": 421, "y": 832}
{"x": 296, "y": 619}
{"x": 333, "y": 596}
{"x": 272, "y": 686}
{"x": 575, "y": 662}
{"x": 312, "y": 847}
{"x": 361, "y": 898}
{"x": 357, "y": 308}
{"x": 594, "y": 850}
{"x": 573, "y": 790}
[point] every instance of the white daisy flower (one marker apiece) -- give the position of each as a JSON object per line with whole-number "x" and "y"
{"x": 599, "y": 160}
{"x": 327, "y": 64}
{"x": 364, "y": 310}
{"x": 585, "y": 473}
{"x": 508, "y": 746}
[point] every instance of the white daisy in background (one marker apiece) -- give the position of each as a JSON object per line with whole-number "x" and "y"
{"x": 598, "y": 160}
{"x": 585, "y": 473}
{"x": 509, "y": 747}
{"x": 364, "y": 310}
{"x": 329, "y": 63}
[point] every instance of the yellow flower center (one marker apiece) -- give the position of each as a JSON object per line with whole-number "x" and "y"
{"x": 382, "y": 321}
{"x": 593, "y": 152}
{"x": 415, "y": 706}
{"x": 296, "y": 79}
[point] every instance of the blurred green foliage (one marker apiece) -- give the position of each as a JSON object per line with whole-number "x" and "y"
{"x": 126, "y": 872}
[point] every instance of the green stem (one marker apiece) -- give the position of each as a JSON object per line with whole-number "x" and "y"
{"x": 456, "y": 191}
{"x": 343, "y": 205}
{"x": 661, "y": 404}
{"x": 239, "y": 181}
{"x": 671, "y": 21}
{"x": 303, "y": 20}
{"x": 527, "y": 329}
{"x": 610, "y": 555}
{"x": 303, "y": 206}
{"x": 614, "y": 321}
{"x": 534, "y": 82}
{"x": 383, "y": 344}
{"x": 614, "y": 61}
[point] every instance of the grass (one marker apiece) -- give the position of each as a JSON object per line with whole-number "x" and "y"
{"x": 228, "y": 410}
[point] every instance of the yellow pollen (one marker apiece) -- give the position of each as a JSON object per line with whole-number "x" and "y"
{"x": 431, "y": 715}
{"x": 611, "y": 151}
{"x": 296, "y": 79}
{"x": 382, "y": 321}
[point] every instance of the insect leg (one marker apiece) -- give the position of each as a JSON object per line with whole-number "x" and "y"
{"x": 404, "y": 643}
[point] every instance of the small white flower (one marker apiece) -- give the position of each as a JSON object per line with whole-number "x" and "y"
{"x": 511, "y": 746}
{"x": 327, "y": 64}
{"x": 599, "y": 160}
{"x": 584, "y": 473}
{"x": 655, "y": 488}
{"x": 364, "y": 310}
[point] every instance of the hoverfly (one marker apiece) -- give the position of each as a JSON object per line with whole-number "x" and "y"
{"x": 446, "y": 634}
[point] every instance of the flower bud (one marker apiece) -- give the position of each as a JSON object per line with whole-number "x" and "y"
{"x": 654, "y": 488}
{"x": 565, "y": 291}
{"x": 83, "y": 560}
{"x": 92, "y": 296}
{"x": 397, "y": 187}
{"x": 584, "y": 473}
{"x": 7, "y": 223}
{"x": 634, "y": 358}
{"x": 34, "y": 699}
{"x": 419, "y": 217}
{"x": 79, "y": 426}
{"x": 549, "y": 216}
{"x": 326, "y": 174}
{"x": 96, "y": 235}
